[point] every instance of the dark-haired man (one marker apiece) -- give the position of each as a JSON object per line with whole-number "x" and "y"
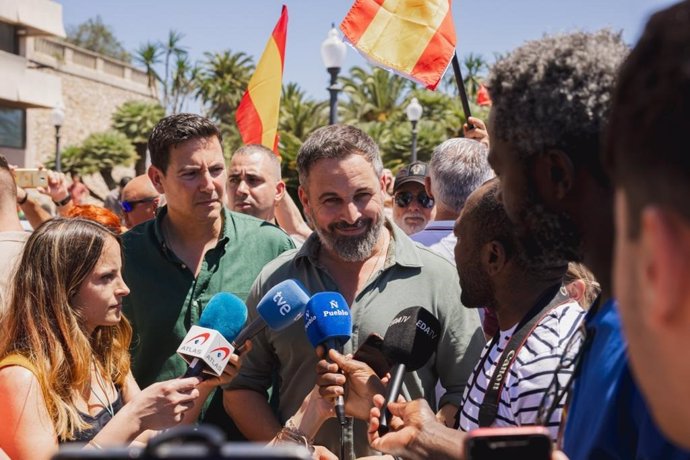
{"x": 354, "y": 250}
{"x": 651, "y": 171}
{"x": 193, "y": 249}
{"x": 551, "y": 99}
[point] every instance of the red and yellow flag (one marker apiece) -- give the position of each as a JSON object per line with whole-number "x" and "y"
{"x": 483, "y": 97}
{"x": 257, "y": 114}
{"x": 415, "y": 38}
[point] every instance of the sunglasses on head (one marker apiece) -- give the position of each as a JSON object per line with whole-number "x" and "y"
{"x": 403, "y": 199}
{"x": 128, "y": 206}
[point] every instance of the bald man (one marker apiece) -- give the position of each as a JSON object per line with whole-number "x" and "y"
{"x": 140, "y": 200}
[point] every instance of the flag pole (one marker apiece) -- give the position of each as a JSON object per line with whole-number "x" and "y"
{"x": 461, "y": 89}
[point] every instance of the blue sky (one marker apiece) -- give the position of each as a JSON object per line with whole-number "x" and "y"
{"x": 485, "y": 27}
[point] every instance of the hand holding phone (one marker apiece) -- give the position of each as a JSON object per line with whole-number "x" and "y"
{"x": 529, "y": 442}
{"x": 371, "y": 353}
{"x": 31, "y": 177}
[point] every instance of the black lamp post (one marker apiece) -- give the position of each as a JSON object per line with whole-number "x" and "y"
{"x": 414, "y": 113}
{"x": 58, "y": 118}
{"x": 333, "y": 54}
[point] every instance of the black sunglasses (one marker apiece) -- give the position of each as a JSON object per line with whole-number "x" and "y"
{"x": 403, "y": 199}
{"x": 128, "y": 206}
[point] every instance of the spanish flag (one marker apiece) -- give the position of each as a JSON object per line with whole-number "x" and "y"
{"x": 415, "y": 38}
{"x": 257, "y": 114}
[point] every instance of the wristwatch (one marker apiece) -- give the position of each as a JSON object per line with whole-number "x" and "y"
{"x": 63, "y": 201}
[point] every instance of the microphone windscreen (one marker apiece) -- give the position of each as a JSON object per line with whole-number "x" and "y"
{"x": 225, "y": 313}
{"x": 327, "y": 319}
{"x": 412, "y": 338}
{"x": 283, "y": 304}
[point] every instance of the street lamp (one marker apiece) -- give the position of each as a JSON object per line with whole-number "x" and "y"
{"x": 414, "y": 113}
{"x": 333, "y": 54}
{"x": 58, "y": 117}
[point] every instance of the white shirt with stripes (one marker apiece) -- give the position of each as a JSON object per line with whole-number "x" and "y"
{"x": 529, "y": 376}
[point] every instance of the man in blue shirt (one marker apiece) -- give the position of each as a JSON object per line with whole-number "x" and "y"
{"x": 651, "y": 174}
{"x": 551, "y": 100}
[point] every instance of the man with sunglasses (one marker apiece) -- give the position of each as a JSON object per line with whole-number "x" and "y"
{"x": 139, "y": 201}
{"x": 458, "y": 167}
{"x": 413, "y": 208}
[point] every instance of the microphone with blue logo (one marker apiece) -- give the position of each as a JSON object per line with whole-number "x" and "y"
{"x": 207, "y": 346}
{"x": 327, "y": 322}
{"x": 281, "y": 306}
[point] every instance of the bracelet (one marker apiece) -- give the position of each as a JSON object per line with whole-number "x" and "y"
{"x": 63, "y": 201}
{"x": 23, "y": 200}
{"x": 291, "y": 434}
{"x": 95, "y": 444}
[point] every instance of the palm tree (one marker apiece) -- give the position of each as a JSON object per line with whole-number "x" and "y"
{"x": 299, "y": 116}
{"x": 101, "y": 152}
{"x": 475, "y": 65}
{"x": 182, "y": 83}
{"x": 221, "y": 81}
{"x": 136, "y": 119}
{"x": 374, "y": 96}
{"x": 149, "y": 55}
{"x": 171, "y": 48}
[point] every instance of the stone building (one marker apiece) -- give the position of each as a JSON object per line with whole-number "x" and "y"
{"x": 38, "y": 71}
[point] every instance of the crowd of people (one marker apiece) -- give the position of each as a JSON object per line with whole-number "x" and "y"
{"x": 551, "y": 244}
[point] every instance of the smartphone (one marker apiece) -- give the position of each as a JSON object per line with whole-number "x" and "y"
{"x": 370, "y": 352}
{"x": 529, "y": 442}
{"x": 31, "y": 178}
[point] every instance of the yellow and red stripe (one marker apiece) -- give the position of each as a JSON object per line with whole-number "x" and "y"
{"x": 415, "y": 38}
{"x": 257, "y": 114}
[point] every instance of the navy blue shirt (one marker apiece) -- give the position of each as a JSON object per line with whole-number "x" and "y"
{"x": 608, "y": 417}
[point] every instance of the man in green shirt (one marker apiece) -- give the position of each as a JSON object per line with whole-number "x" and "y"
{"x": 194, "y": 248}
{"x": 354, "y": 250}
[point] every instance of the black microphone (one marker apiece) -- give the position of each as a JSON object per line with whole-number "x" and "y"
{"x": 411, "y": 339}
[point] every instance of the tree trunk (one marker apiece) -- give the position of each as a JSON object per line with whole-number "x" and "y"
{"x": 107, "y": 175}
{"x": 140, "y": 165}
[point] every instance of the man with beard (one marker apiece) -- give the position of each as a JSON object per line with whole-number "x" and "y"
{"x": 356, "y": 251}
{"x": 536, "y": 318}
{"x": 652, "y": 177}
{"x": 551, "y": 99}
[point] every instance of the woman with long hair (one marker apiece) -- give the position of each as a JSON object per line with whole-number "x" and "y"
{"x": 64, "y": 350}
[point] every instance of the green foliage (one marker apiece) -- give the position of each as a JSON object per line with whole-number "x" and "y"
{"x": 221, "y": 81}
{"x": 98, "y": 37}
{"x": 101, "y": 152}
{"x": 136, "y": 119}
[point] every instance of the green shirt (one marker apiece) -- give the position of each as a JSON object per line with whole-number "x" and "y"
{"x": 166, "y": 298}
{"x": 412, "y": 276}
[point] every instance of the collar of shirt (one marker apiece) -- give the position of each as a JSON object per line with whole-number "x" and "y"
{"x": 227, "y": 231}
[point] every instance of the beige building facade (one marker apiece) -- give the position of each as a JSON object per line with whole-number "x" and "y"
{"x": 38, "y": 71}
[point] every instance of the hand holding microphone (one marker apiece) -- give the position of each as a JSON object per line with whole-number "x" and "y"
{"x": 410, "y": 340}
{"x": 327, "y": 322}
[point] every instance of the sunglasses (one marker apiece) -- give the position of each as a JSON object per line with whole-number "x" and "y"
{"x": 403, "y": 199}
{"x": 128, "y": 206}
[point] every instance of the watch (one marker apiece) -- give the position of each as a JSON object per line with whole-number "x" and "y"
{"x": 63, "y": 201}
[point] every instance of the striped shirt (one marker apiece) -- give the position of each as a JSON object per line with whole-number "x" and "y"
{"x": 529, "y": 376}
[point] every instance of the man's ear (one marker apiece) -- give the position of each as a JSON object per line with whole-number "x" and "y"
{"x": 304, "y": 199}
{"x": 156, "y": 175}
{"x": 280, "y": 190}
{"x": 427, "y": 186}
{"x": 493, "y": 256}
{"x": 664, "y": 267}
{"x": 555, "y": 173}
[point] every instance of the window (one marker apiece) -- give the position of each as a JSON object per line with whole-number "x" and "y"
{"x": 8, "y": 38}
{"x": 12, "y": 127}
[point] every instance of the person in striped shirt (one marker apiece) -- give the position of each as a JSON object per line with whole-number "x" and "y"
{"x": 496, "y": 272}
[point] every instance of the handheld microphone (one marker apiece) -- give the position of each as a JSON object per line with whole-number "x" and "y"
{"x": 207, "y": 348}
{"x": 281, "y": 306}
{"x": 327, "y": 322}
{"x": 411, "y": 339}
